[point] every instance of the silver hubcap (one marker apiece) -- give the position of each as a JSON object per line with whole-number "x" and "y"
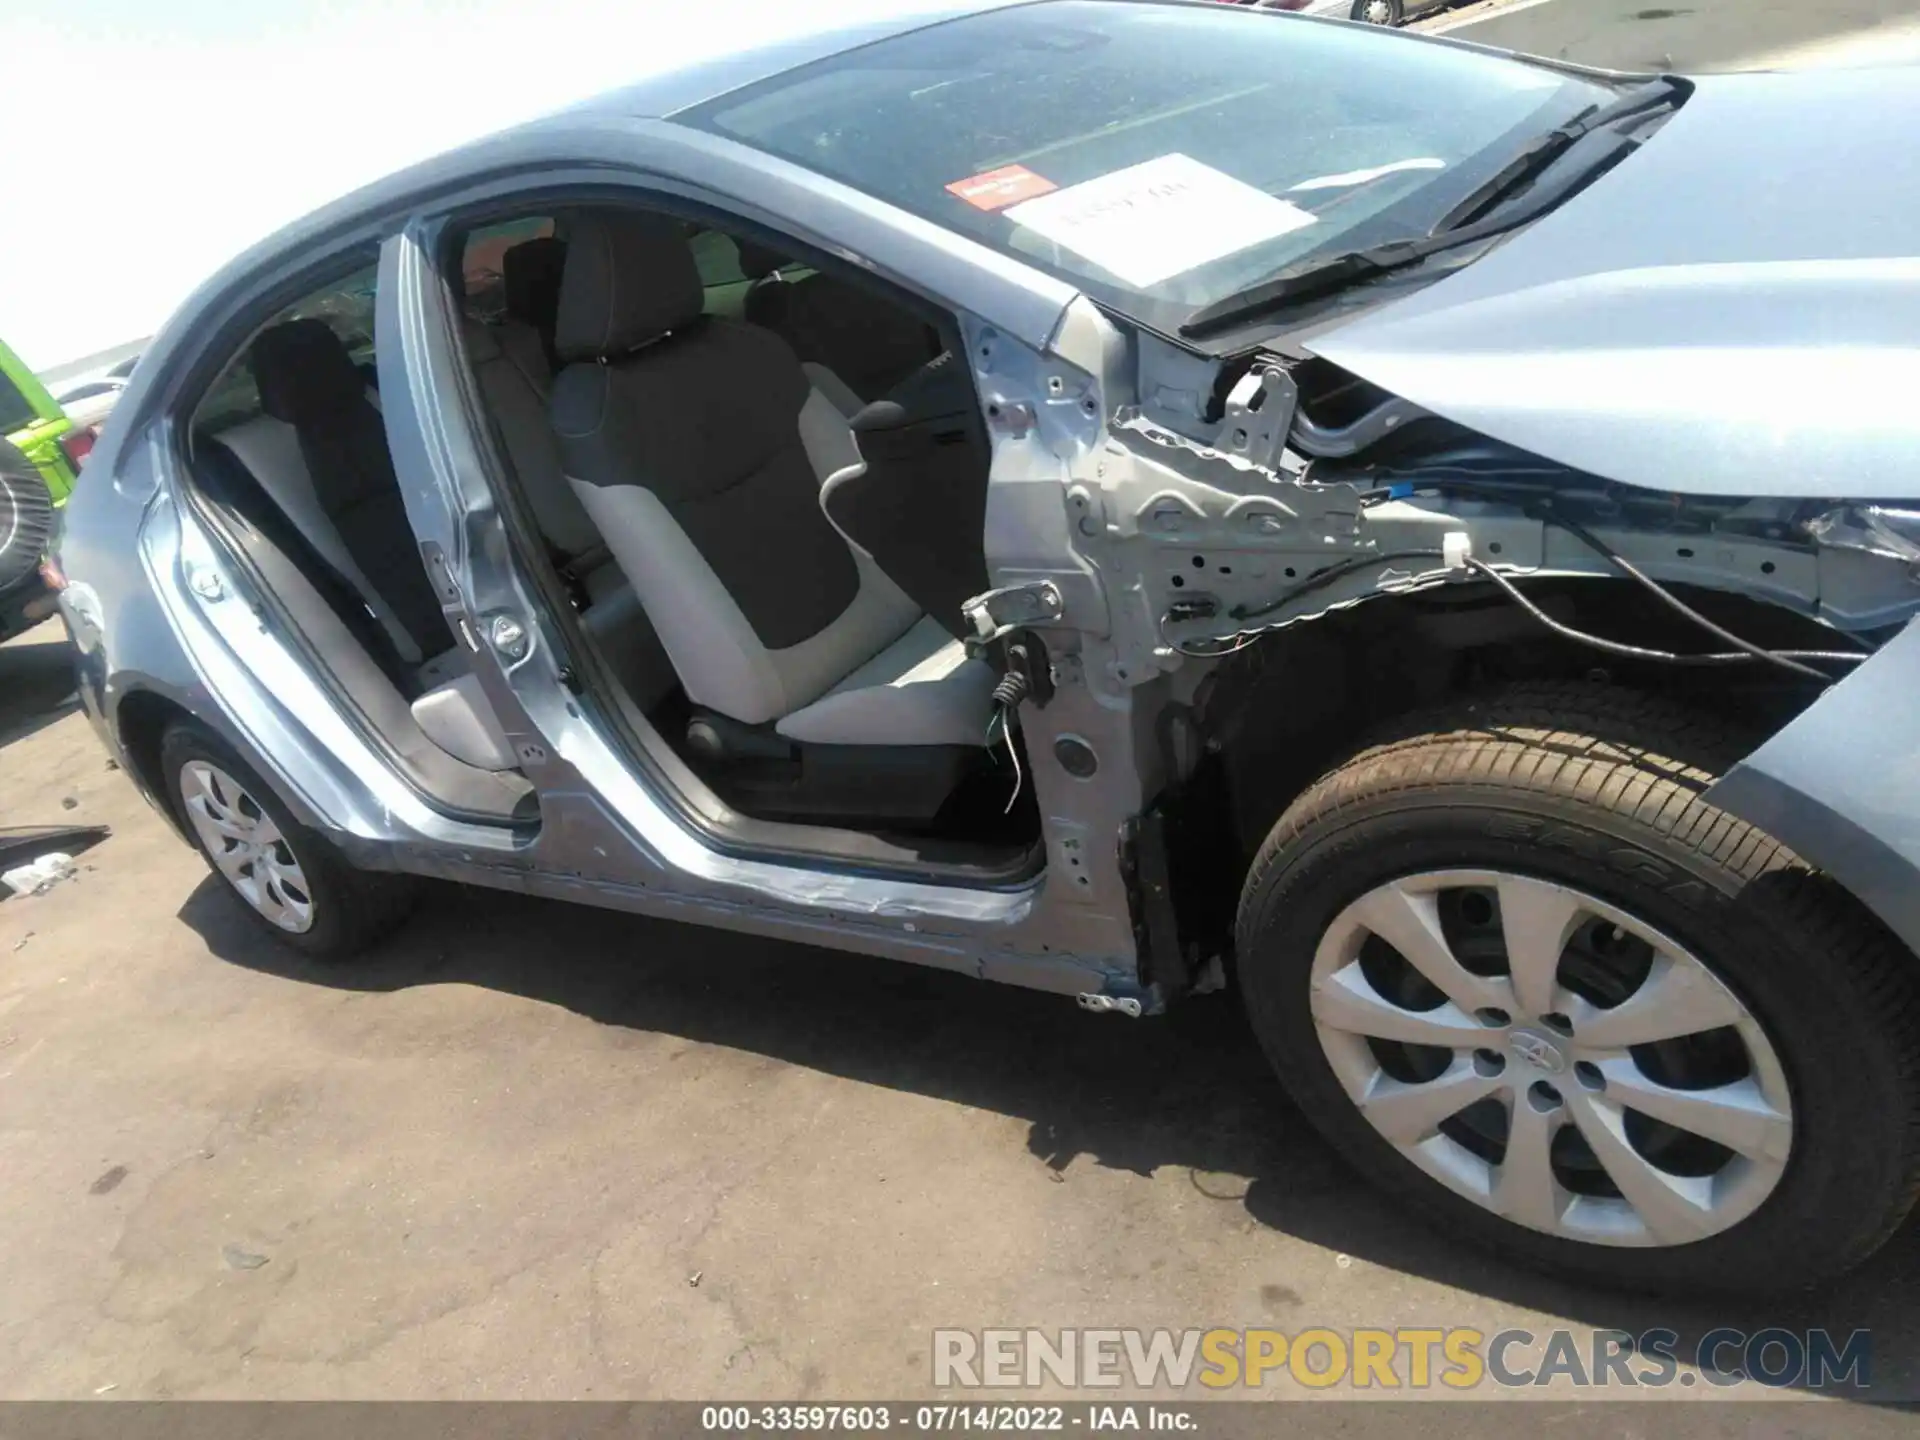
{"x": 1551, "y": 1058}
{"x": 246, "y": 846}
{"x": 1377, "y": 12}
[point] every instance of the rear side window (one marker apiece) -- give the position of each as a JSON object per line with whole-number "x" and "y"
{"x": 717, "y": 255}
{"x": 346, "y": 306}
{"x": 483, "y": 260}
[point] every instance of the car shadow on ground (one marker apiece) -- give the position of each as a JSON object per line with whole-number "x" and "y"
{"x": 1189, "y": 1090}
{"x": 36, "y": 686}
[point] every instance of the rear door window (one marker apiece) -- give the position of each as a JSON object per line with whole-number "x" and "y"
{"x": 347, "y": 307}
{"x": 717, "y": 255}
{"x": 483, "y": 259}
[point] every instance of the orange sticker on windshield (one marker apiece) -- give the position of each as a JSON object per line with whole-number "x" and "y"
{"x": 997, "y": 189}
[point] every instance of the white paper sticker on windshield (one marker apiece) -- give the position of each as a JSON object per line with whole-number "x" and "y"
{"x": 1158, "y": 219}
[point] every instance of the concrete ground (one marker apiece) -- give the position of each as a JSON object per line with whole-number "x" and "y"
{"x": 536, "y": 1150}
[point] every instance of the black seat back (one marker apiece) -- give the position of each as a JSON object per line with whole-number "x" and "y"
{"x": 920, "y": 506}
{"x": 307, "y": 379}
{"x": 530, "y": 279}
{"x": 867, "y": 340}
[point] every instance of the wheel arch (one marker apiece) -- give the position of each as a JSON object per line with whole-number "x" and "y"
{"x": 1837, "y": 785}
{"x": 141, "y": 720}
{"x": 1277, "y": 715}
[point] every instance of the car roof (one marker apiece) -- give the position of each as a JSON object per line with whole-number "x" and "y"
{"x": 658, "y": 97}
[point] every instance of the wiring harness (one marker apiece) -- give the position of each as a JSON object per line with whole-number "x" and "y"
{"x": 1454, "y": 561}
{"x": 1007, "y": 695}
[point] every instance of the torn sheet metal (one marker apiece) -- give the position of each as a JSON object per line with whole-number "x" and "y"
{"x": 1871, "y": 529}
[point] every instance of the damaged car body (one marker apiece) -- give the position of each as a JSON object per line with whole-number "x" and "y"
{"x": 1438, "y": 563}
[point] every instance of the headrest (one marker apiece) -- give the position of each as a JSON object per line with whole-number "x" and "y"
{"x": 629, "y": 279}
{"x": 303, "y": 371}
{"x": 757, "y": 261}
{"x": 530, "y": 277}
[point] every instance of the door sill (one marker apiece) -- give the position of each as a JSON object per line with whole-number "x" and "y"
{"x": 919, "y": 858}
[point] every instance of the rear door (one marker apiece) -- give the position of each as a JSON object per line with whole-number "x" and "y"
{"x": 424, "y": 391}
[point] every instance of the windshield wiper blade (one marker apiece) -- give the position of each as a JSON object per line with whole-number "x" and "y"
{"x": 1539, "y": 154}
{"x": 1459, "y": 227}
{"x": 1303, "y": 282}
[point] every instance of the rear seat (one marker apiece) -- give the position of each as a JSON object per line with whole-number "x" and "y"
{"x": 854, "y": 345}
{"x": 319, "y": 454}
{"x": 307, "y": 380}
{"x": 270, "y": 451}
{"x": 512, "y": 359}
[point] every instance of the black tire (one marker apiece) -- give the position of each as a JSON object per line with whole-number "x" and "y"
{"x": 1370, "y": 12}
{"x": 26, "y": 516}
{"x": 351, "y": 908}
{"x": 1600, "y": 789}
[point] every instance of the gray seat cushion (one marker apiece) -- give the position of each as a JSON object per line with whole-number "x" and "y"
{"x": 456, "y": 717}
{"x": 920, "y": 690}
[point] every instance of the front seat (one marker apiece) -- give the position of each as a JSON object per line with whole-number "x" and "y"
{"x": 700, "y": 450}
{"x": 511, "y": 361}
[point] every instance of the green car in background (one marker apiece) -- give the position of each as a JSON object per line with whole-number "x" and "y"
{"x": 33, "y": 421}
{"x": 40, "y": 453}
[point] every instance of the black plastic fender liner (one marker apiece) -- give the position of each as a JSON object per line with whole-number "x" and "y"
{"x": 26, "y": 517}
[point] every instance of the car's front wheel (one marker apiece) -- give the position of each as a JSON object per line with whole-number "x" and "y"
{"x": 1520, "y": 973}
{"x": 293, "y": 883}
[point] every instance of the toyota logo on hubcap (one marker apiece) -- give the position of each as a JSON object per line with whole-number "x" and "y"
{"x": 1538, "y": 1051}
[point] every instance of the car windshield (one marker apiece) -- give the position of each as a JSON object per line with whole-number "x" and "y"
{"x": 1157, "y": 156}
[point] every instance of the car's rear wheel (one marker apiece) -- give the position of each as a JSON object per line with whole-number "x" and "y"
{"x": 1519, "y": 972}
{"x": 292, "y": 882}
